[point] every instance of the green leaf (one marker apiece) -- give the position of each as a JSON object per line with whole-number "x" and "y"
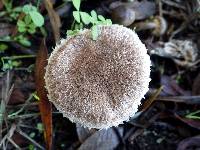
{"x": 94, "y": 16}
{"x": 95, "y": 32}
{"x": 37, "y": 18}
{"x": 17, "y": 9}
{"x": 72, "y": 32}
{"x": 32, "y": 134}
{"x": 21, "y": 23}
{"x": 76, "y": 4}
{"x": 101, "y": 18}
{"x": 31, "y": 147}
{"x": 40, "y": 127}
{"x": 16, "y": 63}
{"x": 86, "y": 18}
{"x": 28, "y": 8}
{"x": 32, "y": 25}
{"x": 25, "y": 42}
{"x": 21, "y": 29}
{"x": 6, "y": 66}
{"x": 3, "y": 47}
{"x": 27, "y": 19}
{"x": 76, "y": 15}
{"x": 108, "y": 22}
{"x": 31, "y": 30}
{"x": 36, "y": 96}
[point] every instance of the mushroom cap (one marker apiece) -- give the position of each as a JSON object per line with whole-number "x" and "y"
{"x": 98, "y": 84}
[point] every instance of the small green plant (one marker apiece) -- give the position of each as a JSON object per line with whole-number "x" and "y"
{"x": 27, "y": 24}
{"x": 83, "y": 18}
{"x": 34, "y": 14}
{"x": 13, "y": 13}
{"x": 11, "y": 62}
{"x": 194, "y": 115}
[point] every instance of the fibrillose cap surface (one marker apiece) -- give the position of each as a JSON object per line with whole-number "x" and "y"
{"x": 98, "y": 84}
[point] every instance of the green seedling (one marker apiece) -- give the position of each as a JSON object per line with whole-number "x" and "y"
{"x": 34, "y": 15}
{"x": 26, "y": 25}
{"x": 11, "y": 62}
{"x": 84, "y": 18}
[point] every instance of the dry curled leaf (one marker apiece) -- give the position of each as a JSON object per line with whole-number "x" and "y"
{"x": 183, "y": 52}
{"x": 44, "y": 104}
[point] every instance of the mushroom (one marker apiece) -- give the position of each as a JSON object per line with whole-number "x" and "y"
{"x": 98, "y": 84}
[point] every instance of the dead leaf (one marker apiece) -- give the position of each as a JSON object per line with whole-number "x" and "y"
{"x": 191, "y": 122}
{"x": 16, "y": 97}
{"x": 143, "y": 9}
{"x": 183, "y": 52}
{"x": 19, "y": 139}
{"x": 54, "y": 19}
{"x": 44, "y": 104}
{"x": 170, "y": 87}
{"x": 102, "y": 140}
{"x": 126, "y": 12}
{"x": 84, "y": 133}
{"x": 189, "y": 143}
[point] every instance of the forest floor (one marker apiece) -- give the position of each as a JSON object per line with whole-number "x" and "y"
{"x": 169, "y": 116}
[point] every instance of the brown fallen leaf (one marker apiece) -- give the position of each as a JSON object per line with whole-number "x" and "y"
{"x": 44, "y": 104}
{"x": 54, "y": 19}
{"x": 16, "y": 97}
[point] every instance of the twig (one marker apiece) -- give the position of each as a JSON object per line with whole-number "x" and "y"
{"x": 173, "y": 4}
{"x": 6, "y": 92}
{"x": 14, "y": 144}
{"x": 181, "y": 99}
{"x": 31, "y": 140}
